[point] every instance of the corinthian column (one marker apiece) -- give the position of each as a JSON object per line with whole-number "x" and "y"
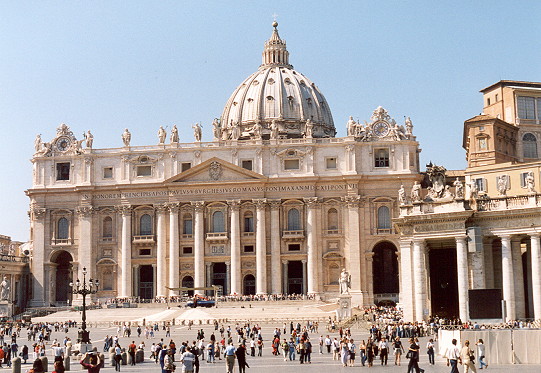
{"x": 160, "y": 251}
{"x": 199, "y": 246}
{"x": 353, "y": 247}
{"x": 38, "y": 256}
{"x": 419, "y": 278}
{"x": 507, "y": 278}
{"x": 173, "y": 248}
{"x": 235, "y": 273}
{"x": 535, "y": 249}
{"x": 462, "y": 276}
{"x": 85, "y": 242}
{"x": 126, "y": 276}
{"x": 261, "y": 247}
{"x": 311, "y": 232}
{"x": 276, "y": 264}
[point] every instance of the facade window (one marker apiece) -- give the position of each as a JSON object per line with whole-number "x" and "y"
{"x": 107, "y": 227}
{"x": 488, "y": 101}
{"x": 294, "y": 247}
{"x": 248, "y": 222}
{"x": 247, "y": 164}
{"x": 218, "y": 223}
{"x": 187, "y": 224}
{"x": 330, "y": 163}
{"x": 291, "y": 164}
{"x": 63, "y": 171}
{"x": 185, "y": 166}
{"x": 481, "y": 184}
{"x": 108, "y": 172}
{"x": 62, "y": 232}
{"x": 144, "y": 170}
{"x": 529, "y": 144}
{"x": 248, "y": 248}
{"x": 187, "y": 250}
{"x": 145, "y": 225}
{"x": 144, "y": 252}
{"x": 529, "y": 107}
{"x": 384, "y": 218}
{"x": 293, "y": 220}
{"x": 332, "y": 219}
{"x": 381, "y": 158}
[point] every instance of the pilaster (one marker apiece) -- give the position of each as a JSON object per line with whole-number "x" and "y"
{"x": 261, "y": 247}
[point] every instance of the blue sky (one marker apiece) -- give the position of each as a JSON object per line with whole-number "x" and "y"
{"x": 108, "y": 65}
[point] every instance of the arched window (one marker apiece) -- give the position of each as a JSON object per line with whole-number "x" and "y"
{"x": 62, "y": 232}
{"x": 248, "y": 222}
{"x": 293, "y": 220}
{"x": 384, "y": 218}
{"x": 145, "y": 225}
{"x": 187, "y": 224}
{"x": 529, "y": 144}
{"x": 107, "y": 227}
{"x": 218, "y": 225}
{"x": 332, "y": 219}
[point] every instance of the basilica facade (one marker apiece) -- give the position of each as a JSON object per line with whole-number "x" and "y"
{"x": 274, "y": 204}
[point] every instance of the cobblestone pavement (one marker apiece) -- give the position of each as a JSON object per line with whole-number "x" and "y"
{"x": 267, "y": 363}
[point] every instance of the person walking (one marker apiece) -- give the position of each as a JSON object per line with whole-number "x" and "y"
{"x": 240, "y": 353}
{"x": 352, "y": 347}
{"x": 413, "y": 353}
{"x": 230, "y": 357}
{"x": 169, "y": 362}
{"x": 481, "y": 354}
{"x": 453, "y": 356}
{"x": 398, "y": 350}
{"x": 308, "y": 354}
{"x": 131, "y": 350}
{"x": 383, "y": 351}
{"x": 187, "y": 359}
{"x": 118, "y": 357}
{"x": 468, "y": 358}
{"x": 344, "y": 351}
{"x": 430, "y": 351}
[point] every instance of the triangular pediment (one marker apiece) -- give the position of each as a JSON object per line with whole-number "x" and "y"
{"x": 215, "y": 170}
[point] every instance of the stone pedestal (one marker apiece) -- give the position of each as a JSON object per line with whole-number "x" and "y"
{"x": 82, "y": 348}
{"x": 344, "y": 310}
{"x": 6, "y": 308}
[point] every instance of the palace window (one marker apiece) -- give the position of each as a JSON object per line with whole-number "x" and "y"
{"x": 384, "y": 219}
{"x": 248, "y": 222}
{"x": 144, "y": 170}
{"x": 481, "y": 184}
{"x": 381, "y": 158}
{"x": 187, "y": 250}
{"x": 529, "y": 144}
{"x": 247, "y": 164}
{"x": 293, "y": 220}
{"x": 294, "y": 247}
{"x": 529, "y": 107}
{"x": 187, "y": 224}
{"x": 108, "y": 172}
{"x": 248, "y": 248}
{"x": 145, "y": 225}
{"x": 332, "y": 219}
{"x": 218, "y": 223}
{"x": 63, "y": 171}
{"x": 62, "y": 232}
{"x": 145, "y": 252}
{"x": 292, "y": 164}
{"x": 185, "y": 166}
{"x": 330, "y": 163}
{"x": 107, "y": 227}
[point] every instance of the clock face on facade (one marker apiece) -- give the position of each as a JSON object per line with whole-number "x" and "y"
{"x": 380, "y": 129}
{"x": 63, "y": 144}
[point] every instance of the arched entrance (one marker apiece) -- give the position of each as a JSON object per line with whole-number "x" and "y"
{"x": 64, "y": 269}
{"x": 187, "y": 282}
{"x": 385, "y": 272}
{"x": 146, "y": 282}
{"x": 249, "y": 285}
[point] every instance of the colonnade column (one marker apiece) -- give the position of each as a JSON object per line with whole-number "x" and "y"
{"x": 261, "y": 247}
{"x": 518, "y": 278}
{"x": 173, "y": 248}
{"x": 199, "y": 246}
{"x": 312, "y": 245}
{"x": 160, "y": 251}
{"x": 507, "y": 278}
{"x": 462, "y": 277}
{"x": 126, "y": 275}
{"x": 235, "y": 287}
{"x": 419, "y": 278}
{"x": 406, "y": 279}
{"x": 353, "y": 249}
{"x": 276, "y": 280}
{"x": 38, "y": 256}
{"x": 535, "y": 248}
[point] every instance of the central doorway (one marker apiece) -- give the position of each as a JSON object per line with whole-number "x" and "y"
{"x": 249, "y": 285}
{"x": 219, "y": 276}
{"x": 295, "y": 277}
{"x": 443, "y": 282}
{"x": 63, "y": 278}
{"x": 146, "y": 282}
{"x": 187, "y": 282}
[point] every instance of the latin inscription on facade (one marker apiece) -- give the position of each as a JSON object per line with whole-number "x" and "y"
{"x": 217, "y": 249}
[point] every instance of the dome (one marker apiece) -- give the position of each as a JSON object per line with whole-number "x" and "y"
{"x": 276, "y": 101}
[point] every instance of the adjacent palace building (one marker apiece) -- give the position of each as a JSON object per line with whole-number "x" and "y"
{"x": 276, "y": 204}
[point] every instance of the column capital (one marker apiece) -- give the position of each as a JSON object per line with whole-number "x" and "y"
{"x": 84, "y": 211}
{"x": 228, "y": 263}
{"x": 160, "y": 208}
{"x": 311, "y": 202}
{"x": 186, "y": 208}
{"x": 234, "y": 204}
{"x": 173, "y": 207}
{"x": 304, "y": 261}
{"x": 208, "y": 264}
{"x": 37, "y": 213}
{"x": 125, "y": 210}
{"x": 352, "y": 201}
{"x": 461, "y": 238}
{"x": 260, "y": 203}
{"x": 418, "y": 241}
{"x": 198, "y": 205}
{"x": 274, "y": 204}
{"x": 535, "y": 234}
{"x": 285, "y": 261}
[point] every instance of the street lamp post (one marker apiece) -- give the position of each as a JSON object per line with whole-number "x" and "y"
{"x": 84, "y": 289}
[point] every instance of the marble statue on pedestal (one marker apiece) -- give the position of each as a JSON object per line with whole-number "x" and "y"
{"x": 402, "y": 195}
{"x": 530, "y": 182}
{"x": 89, "y": 139}
{"x": 197, "y": 132}
{"x": 38, "y": 143}
{"x": 416, "y": 192}
{"x": 309, "y": 129}
{"x": 502, "y": 185}
{"x": 459, "y": 189}
{"x": 344, "y": 281}
{"x": 274, "y": 130}
{"x": 5, "y": 288}
{"x": 216, "y": 129}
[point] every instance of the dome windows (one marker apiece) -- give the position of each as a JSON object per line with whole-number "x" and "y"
{"x": 270, "y": 98}
{"x": 250, "y": 100}
{"x": 270, "y": 81}
{"x": 287, "y": 81}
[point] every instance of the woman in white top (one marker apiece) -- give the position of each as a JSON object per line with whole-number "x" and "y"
{"x": 481, "y": 354}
